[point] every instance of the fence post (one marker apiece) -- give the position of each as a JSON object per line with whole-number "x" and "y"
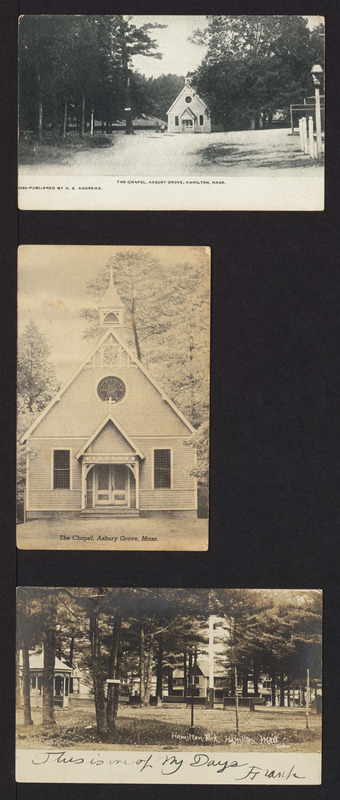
{"x": 305, "y": 137}
{"x": 311, "y": 136}
{"x": 301, "y": 135}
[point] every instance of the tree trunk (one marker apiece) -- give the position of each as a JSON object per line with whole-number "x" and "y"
{"x": 97, "y": 675}
{"x": 149, "y": 672}
{"x": 282, "y": 689}
{"x": 48, "y": 676}
{"x": 26, "y": 685}
{"x": 135, "y": 333}
{"x": 142, "y": 664}
{"x": 159, "y": 684}
{"x": 237, "y": 726}
{"x": 65, "y": 119}
{"x": 55, "y": 115}
{"x": 40, "y": 117}
{"x": 170, "y": 684}
{"x": 82, "y": 119}
{"x": 256, "y": 679}
{"x": 273, "y": 677}
{"x": 113, "y": 692}
{"x": 185, "y": 675}
{"x": 70, "y": 658}
{"x": 128, "y": 110}
{"x": 17, "y": 679}
{"x": 244, "y": 684}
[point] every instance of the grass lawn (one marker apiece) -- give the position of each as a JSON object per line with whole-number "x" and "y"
{"x": 168, "y": 727}
{"x": 153, "y": 533}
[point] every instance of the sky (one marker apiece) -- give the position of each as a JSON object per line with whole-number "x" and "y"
{"x": 52, "y": 283}
{"x": 179, "y": 55}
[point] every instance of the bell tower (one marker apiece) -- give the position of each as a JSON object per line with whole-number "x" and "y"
{"x": 111, "y": 308}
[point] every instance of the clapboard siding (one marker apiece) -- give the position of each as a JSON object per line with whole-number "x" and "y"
{"x": 41, "y": 463}
{"x": 109, "y": 440}
{"x": 79, "y": 412}
{"x": 183, "y": 460}
{"x": 167, "y": 500}
{"x": 55, "y": 500}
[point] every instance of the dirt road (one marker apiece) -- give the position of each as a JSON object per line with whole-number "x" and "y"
{"x": 151, "y": 154}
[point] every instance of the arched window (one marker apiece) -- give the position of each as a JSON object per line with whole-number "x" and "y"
{"x": 110, "y": 317}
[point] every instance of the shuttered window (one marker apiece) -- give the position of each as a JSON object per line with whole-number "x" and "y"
{"x": 162, "y": 469}
{"x": 201, "y": 119}
{"x": 61, "y": 469}
{"x": 176, "y": 121}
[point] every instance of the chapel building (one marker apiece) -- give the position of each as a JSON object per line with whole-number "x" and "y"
{"x": 188, "y": 113}
{"x": 111, "y": 442}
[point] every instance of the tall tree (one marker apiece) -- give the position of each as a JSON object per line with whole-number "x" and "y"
{"x": 36, "y": 385}
{"x": 255, "y": 65}
{"x": 37, "y": 380}
{"x": 133, "y": 40}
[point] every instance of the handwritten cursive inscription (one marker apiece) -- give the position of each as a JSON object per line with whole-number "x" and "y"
{"x": 165, "y": 765}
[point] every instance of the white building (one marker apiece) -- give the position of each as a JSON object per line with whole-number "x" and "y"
{"x": 188, "y": 113}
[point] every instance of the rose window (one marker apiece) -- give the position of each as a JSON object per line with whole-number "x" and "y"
{"x": 110, "y": 353}
{"x": 111, "y": 388}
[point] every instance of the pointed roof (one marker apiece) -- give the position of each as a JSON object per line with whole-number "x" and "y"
{"x": 110, "y": 332}
{"x": 188, "y": 111}
{"x": 110, "y": 418}
{"x": 185, "y": 89}
{"x": 111, "y": 298}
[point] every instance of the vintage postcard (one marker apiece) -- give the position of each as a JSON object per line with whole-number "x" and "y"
{"x": 138, "y": 685}
{"x": 171, "y": 112}
{"x": 113, "y": 397}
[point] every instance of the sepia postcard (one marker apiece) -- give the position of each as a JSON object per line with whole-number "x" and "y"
{"x": 113, "y": 397}
{"x": 196, "y": 686}
{"x": 171, "y": 112}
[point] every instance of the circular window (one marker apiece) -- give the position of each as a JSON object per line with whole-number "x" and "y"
{"x": 110, "y": 353}
{"x": 111, "y": 388}
{"x": 188, "y": 99}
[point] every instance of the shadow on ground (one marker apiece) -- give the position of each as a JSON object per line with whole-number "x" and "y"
{"x": 229, "y": 156}
{"x": 57, "y": 151}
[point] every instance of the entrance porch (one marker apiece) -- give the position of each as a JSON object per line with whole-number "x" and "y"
{"x": 110, "y": 485}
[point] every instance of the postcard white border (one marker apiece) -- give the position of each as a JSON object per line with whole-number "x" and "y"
{"x": 81, "y": 193}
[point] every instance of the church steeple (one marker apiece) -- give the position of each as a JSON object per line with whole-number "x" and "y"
{"x": 111, "y": 307}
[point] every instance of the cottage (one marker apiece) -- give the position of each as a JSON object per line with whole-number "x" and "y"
{"x": 111, "y": 442}
{"x": 62, "y": 681}
{"x": 188, "y": 113}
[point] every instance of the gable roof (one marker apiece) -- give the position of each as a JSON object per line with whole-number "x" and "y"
{"x": 185, "y": 88}
{"x": 203, "y": 667}
{"x": 188, "y": 111}
{"x": 109, "y": 418}
{"x": 36, "y": 661}
{"x": 110, "y": 332}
